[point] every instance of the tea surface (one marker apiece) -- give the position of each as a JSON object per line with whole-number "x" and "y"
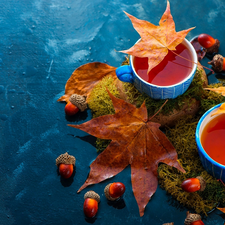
{"x": 213, "y": 137}
{"x": 172, "y": 70}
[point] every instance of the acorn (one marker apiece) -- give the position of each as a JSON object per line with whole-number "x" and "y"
{"x": 66, "y": 163}
{"x": 71, "y": 109}
{"x": 194, "y": 184}
{"x": 90, "y": 207}
{"x": 193, "y": 219}
{"x": 114, "y": 191}
{"x": 210, "y": 44}
{"x": 218, "y": 63}
{"x": 75, "y": 103}
{"x": 168, "y": 223}
{"x": 79, "y": 101}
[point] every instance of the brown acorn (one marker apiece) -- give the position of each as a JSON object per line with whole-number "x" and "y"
{"x": 79, "y": 101}
{"x": 114, "y": 191}
{"x": 66, "y": 163}
{"x": 90, "y": 207}
{"x": 210, "y": 44}
{"x": 218, "y": 63}
{"x": 193, "y": 219}
{"x": 194, "y": 184}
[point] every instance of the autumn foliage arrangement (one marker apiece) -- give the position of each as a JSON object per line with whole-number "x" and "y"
{"x": 135, "y": 139}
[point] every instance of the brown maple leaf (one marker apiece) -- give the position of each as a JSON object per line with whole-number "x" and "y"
{"x": 156, "y": 41}
{"x": 85, "y": 77}
{"x": 219, "y": 90}
{"x": 136, "y": 141}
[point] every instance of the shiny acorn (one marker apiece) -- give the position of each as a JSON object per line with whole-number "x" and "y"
{"x": 194, "y": 184}
{"x": 210, "y": 44}
{"x": 75, "y": 103}
{"x": 90, "y": 207}
{"x": 66, "y": 163}
{"x": 193, "y": 219}
{"x": 114, "y": 191}
{"x": 71, "y": 109}
{"x": 218, "y": 63}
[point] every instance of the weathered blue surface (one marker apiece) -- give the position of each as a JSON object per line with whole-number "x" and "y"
{"x": 41, "y": 43}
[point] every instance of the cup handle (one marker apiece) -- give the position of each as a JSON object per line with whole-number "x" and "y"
{"x": 125, "y": 73}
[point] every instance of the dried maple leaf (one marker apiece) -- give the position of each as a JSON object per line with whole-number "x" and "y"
{"x": 219, "y": 90}
{"x": 135, "y": 141}
{"x": 156, "y": 41}
{"x": 85, "y": 77}
{"x": 219, "y": 110}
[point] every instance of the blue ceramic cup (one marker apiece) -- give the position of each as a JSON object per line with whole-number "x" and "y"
{"x": 214, "y": 168}
{"x": 127, "y": 73}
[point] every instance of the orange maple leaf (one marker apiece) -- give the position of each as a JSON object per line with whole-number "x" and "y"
{"x": 85, "y": 77}
{"x": 156, "y": 41}
{"x": 135, "y": 141}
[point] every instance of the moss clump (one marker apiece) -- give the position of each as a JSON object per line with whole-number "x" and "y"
{"x": 182, "y": 136}
{"x": 99, "y": 100}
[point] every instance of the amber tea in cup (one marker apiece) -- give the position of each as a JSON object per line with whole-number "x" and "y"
{"x": 172, "y": 70}
{"x": 213, "y": 138}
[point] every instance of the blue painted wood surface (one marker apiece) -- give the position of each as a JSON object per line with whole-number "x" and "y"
{"x": 41, "y": 43}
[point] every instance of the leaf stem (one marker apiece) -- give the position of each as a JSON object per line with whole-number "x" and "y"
{"x": 190, "y": 60}
{"x": 159, "y": 109}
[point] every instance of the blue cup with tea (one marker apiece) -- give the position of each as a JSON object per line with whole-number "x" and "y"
{"x": 169, "y": 79}
{"x": 210, "y": 135}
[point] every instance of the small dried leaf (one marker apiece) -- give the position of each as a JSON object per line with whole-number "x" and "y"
{"x": 219, "y": 90}
{"x": 85, "y": 77}
{"x": 221, "y": 109}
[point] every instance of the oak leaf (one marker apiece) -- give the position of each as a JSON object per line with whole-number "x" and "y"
{"x": 156, "y": 41}
{"x": 219, "y": 90}
{"x": 136, "y": 141}
{"x": 85, "y": 77}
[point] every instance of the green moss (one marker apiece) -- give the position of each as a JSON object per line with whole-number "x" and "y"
{"x": 182, "y": 136}
{"x": 99, "y": 100}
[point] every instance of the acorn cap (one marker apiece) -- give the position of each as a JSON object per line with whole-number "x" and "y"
{"x": 79, "y": 101}
{"x": 217, "y": 63}
{"x": 214, "y": 48}
{"x": 191, "y": 218}
{"x": 65, "y": 159}
{"x": 202, "y": 183}
{"x": 169, "y": 223}
{"x": 93, "y": 195}
{"x": 106, "y": 191}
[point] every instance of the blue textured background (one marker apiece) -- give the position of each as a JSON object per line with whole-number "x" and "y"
{"x": 41, "y": 43}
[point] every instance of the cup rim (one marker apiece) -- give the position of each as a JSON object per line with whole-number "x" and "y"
{"x": 195, "y": 59}
{"x": 197, "y": 137}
